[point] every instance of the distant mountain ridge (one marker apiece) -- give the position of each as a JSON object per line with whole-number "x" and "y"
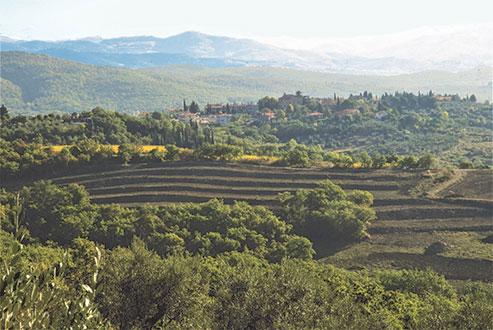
{"x": 216, "y": 51}
{"x": 34, "y": 83}
{"x": 135, "y": 52}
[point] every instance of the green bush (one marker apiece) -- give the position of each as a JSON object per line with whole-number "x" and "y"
{"x": 327, "y": 214}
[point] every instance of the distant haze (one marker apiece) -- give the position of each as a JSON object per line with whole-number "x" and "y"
{"x": 62, "y": 19}
{"x": 355, "y": 36}
{"x": 432, "y": 43}
{"x": 452, "y": 49}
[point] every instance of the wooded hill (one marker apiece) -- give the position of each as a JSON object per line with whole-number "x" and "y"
{"x": 33, "y": 83}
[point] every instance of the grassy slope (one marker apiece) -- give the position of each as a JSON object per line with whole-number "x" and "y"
{"x": 43, "y": 83}
{"x": 405, "y": 225}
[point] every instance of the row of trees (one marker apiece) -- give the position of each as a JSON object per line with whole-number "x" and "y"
{"x": 19, "y": 158}
{"x": 52, "y": 213}
{"x": 105, "y": 127}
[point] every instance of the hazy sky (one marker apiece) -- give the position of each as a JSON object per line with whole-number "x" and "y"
{"x": 68, "y": 19}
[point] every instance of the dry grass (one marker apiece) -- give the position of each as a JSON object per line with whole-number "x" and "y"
{"x": 114, "y": 147}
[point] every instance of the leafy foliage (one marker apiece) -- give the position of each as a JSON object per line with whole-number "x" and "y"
{"x": 62, "y": 214}
{"x": 141, "y": 291}
{"x": 137, "y": 289}
{"x": 104, "y": 127}
{"x": 327, "y": 214}
{"x": 37, "y": 299}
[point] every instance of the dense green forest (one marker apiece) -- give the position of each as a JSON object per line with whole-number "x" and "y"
{"x": 32, "y": 83}
{"x": 71, "y": 264}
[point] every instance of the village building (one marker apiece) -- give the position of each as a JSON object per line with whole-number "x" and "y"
{"x": 347, "y": 112}
{"x": 223, "y": 119}
{"x": 325, "y": 102}
{"x": 186, "y": 117}
{"x": 231, "y": 108}
{"x": 243, "y": 108}
{"x": 267, "y": 117}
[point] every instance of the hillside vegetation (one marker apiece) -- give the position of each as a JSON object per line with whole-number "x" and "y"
{"x": 70, "y": 261}
{"x": 38, "y": 83}
{"x": 459, "y": 129}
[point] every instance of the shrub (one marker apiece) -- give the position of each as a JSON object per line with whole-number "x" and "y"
{"x": 297, "y": 158}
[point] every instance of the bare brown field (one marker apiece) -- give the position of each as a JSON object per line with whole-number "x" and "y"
{"x": 474, "y": 184}
{"x": 452, "y": 268}
{"x": 407, "y": 213}
{"x": 430, "y": 225}
{"x": 460, "y": 215}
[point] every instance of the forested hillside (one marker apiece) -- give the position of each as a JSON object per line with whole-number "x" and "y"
{"x": 39, "y": 83}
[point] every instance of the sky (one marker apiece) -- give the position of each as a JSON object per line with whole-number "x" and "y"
{"x": 261, "y": 19}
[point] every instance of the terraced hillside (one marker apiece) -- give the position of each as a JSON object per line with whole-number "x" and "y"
{"x": 405, "y": 227}
{"x": 197, "y": 182}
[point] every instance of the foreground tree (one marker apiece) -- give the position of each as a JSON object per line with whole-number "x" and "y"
{"x": 37, "y": 298}
{"x": 143, "y": 291}
{"x": 57, "y": 213}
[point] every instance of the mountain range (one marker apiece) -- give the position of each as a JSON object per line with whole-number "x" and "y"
{"x": 370, "y": 56}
